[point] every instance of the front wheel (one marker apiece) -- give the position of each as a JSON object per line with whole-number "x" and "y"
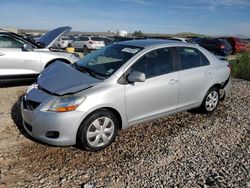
{"x": 98, "y": 130}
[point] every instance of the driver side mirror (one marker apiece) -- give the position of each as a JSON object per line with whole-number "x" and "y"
{"x": 27, "y": 47}
{"x": 136, "y": 76}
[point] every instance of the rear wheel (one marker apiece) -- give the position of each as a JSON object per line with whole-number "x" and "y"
{"x": 98, "y": 130}
{"x": 211, "y": 101}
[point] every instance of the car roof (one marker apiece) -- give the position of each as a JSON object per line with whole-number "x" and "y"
{"x": 144, "y": 43}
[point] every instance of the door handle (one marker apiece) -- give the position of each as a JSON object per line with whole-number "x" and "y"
{"x": 173, "y": 81}
{"x": 2, "y": 54}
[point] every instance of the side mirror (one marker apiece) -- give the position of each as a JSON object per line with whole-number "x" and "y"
{"x": 136, "y": 76}
{"x": 27, "y": 47}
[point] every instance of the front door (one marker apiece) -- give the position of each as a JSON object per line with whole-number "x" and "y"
{"x": 159, "y": 93}
{"x": 14, "y": 61}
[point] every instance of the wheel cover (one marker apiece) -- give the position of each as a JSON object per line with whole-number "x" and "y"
{"x": 212, "y": 101}
{"x": 100, "y": 132}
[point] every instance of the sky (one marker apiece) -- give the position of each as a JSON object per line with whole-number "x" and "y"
{"x": 212, "y": 17}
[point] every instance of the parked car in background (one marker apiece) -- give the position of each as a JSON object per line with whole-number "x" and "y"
{"x": 197, "y": 39}
{"x": 120, "y": 39}
{"x": 21, "y": 59}
{"x": 87, "y": 43}
{"x": 63, "y": 42}
{"x": 237, "y": 44}
{"x": 121, "y": 85}
{"x": 107, "y": 40}
{"x": 181, "y": 39}
{"x": 30, "y": 38}
{"x": 217, "y": 46}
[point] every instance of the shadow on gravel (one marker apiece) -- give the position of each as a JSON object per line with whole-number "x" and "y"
{"x": 17, "y": 117}
{"x": 16, "y": 84}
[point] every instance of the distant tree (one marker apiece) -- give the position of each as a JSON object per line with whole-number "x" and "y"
{"x": 138, "y": 34}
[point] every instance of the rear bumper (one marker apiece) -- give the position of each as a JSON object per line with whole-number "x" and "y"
{"x": 227, "y": 86}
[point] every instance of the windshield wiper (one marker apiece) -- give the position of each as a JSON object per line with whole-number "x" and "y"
{"x": 89, "y": 71}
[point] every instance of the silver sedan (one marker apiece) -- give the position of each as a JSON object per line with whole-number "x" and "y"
{"x": 121, "y": 85}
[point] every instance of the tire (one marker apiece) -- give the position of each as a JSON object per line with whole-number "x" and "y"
{"x": 210, "y": 101}
{"x": 89, "y": 136}
{"x": 85, "y": 50}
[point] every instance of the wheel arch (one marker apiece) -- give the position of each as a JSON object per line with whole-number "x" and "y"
{"x": 112, "y": 110}
{"x": 57, "y": 59}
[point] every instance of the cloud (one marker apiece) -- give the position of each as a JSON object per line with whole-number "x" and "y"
{"x": 134, "y": 1}
{"x": 213, "y": 4}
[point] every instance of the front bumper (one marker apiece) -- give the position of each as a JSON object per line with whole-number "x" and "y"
{"x": 41, "y": 124}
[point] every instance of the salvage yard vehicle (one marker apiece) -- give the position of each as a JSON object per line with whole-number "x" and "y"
{"x": 186, "y": 40}
{"x": 63, "y": 42}
{"x": 237, "y": 44}
{"x": 216, "y": 46}
{"x": 121, "y": 85}
{"x": 87, "y": 43}
{"x": 22, "y": 60}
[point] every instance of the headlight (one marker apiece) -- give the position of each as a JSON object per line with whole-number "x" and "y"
{"x": 66, "y": 103}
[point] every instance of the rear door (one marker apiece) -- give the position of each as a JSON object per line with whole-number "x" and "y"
{"x": 195, "y": 76}
{"x": 14, "y": 61}
{"x": 159, "y": 93}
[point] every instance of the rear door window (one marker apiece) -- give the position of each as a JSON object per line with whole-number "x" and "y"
{"x": 191, "y": 58}
{"x": 84, "y": 38}
{"x": 96, "y": 39}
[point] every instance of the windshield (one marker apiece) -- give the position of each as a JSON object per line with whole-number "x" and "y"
{"x": 105, "y": 61}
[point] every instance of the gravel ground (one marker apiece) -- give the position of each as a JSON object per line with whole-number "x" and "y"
{"x": 182, "y": 150}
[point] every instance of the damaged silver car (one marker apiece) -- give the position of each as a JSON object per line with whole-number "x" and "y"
{"x": 121, "y": 85}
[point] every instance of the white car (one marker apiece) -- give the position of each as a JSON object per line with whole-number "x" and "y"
{"x": 87, "y": 43}
{"x": 21, "y": 59}
{"x": 63, "y": 42}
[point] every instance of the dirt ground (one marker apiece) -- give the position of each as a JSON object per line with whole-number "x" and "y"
{"x": 182, "y": 150}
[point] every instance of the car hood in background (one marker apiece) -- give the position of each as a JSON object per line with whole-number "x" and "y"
{"x": 61, "y": 79}
{"x": 47, "y": 40}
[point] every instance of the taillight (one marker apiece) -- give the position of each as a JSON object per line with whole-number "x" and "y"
{"x": 229, "y": 66}
{"x": 222, "y": 46}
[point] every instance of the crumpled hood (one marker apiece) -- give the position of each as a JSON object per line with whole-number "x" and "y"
{"x": 61, "y": 79}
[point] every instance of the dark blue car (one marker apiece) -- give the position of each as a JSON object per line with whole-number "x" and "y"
{"x": 216, "y": 46}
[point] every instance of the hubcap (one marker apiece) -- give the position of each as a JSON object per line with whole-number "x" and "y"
{"x": 212, "y": 101}
{"x": 100, "y": 132}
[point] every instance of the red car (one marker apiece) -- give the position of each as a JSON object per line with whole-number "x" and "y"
{"x": 237, "y": 44}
